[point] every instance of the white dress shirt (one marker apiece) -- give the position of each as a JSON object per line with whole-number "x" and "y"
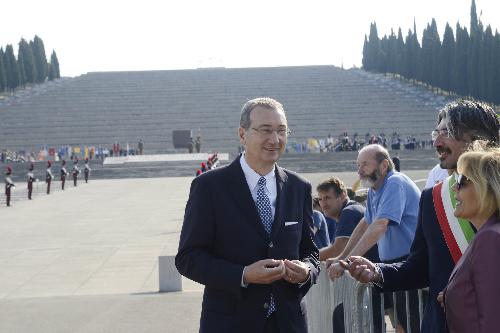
{"x": 252, "y": 179}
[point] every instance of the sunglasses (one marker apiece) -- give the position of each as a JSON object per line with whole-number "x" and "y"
{"x": 461, "y": 180}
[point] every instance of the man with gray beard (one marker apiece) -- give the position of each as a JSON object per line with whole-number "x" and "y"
{"x": 390, "y": 219}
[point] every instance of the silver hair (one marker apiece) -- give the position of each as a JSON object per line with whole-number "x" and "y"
{"x": 265, "y": 102}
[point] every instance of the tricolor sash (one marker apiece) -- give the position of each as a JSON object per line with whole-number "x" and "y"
{"x": 457, "y": 232}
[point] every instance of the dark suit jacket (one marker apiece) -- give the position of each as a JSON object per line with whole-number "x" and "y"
{"x": 222, "y": 233}
{"x": 428, "y": 265}
{"x": 472, "y": 294}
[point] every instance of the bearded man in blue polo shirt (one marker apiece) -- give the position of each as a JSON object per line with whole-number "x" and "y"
{"x": 390, "y": 220}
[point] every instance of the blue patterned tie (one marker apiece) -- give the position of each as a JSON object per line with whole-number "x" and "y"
{"x": 264, "y": 206}
{"x": 266, "y": 217}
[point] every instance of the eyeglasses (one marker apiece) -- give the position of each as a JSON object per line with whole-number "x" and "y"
{"x": 438, "y": 132}
{"x": 461, "y": 180}
{"x": 268, "y": 131}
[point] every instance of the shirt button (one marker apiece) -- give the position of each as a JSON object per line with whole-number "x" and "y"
{"x": 266, "y": 306}
{"x": 271, "y": 245}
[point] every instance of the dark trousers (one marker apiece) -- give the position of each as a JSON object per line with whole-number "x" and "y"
{"x": 7, "y": 194}
{"x": 75, "y": 178}
{"x": 30, "y": 189}
{"x": 86, "y": 173}
{"x": 63, "y": 181}
{"x": 48, "y": 186}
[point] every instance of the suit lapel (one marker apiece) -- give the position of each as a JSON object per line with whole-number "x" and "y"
{"x": 239, "y": 189}
{"x": 281, "y": 200}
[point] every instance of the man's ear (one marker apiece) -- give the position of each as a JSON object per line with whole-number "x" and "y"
{"x": 241, "y": 135}
{"x": 385, "y": 165}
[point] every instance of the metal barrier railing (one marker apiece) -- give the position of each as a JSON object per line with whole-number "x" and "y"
{"x": 357, "y": 299}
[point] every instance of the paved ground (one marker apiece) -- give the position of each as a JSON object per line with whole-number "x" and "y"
{"x": 85, "y": 260}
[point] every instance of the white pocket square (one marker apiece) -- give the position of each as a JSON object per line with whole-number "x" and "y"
{"x": 290, "y": 223}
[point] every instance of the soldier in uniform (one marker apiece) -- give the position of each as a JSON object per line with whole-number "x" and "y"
{"x": 75, "y": 171}
{"x": 197, "y": 144}
{"x": 8, "y": 184}
{"x": 48, "y": 176}
{"x": 64, "y": 173}
{"x": 31, "y": 179}
{"x": 86, "y": 170}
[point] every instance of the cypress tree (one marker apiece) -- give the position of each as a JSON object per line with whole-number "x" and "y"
{"x": 20, "y": 66}
{"x": 447, "y": 59}
{"x": 435, "y": 52}
{"x": 54, "y": 65}
{"x": 460, "y": 69}
{"x": 473, "y": 56}
{"x": 400, "y": 49}
{"x": 40, "y": 59}
{"x": 11, "y": 69}
{"x": 373, "y": 48}
{"x": 3, "y": 79}
{"x": 486, "y": 69}
{"x": 365, "y": 60}
{"x": 28, "y": 60}
{"x": 382, "y": 56}
{"x": 412, "y": 53}
{"x": 425, "y": 63}
{"x": 392, "y": 53}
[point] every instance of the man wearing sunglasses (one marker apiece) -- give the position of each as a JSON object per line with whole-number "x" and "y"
{"x": 440, "y": 238}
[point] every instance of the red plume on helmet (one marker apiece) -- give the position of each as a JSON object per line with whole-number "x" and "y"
{"x": 49, "y": 164}
{"x": 63, "y": 162}
{"x": 32, "y": 166}
{"x": 9, "y": 170}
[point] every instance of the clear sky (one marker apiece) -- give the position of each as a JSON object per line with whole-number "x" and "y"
{"x": 111, "y": 35}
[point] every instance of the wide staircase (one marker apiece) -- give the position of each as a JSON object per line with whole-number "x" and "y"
{"x": 97, "y": 109}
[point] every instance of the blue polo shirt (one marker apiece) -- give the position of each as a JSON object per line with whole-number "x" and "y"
{"x": 397, "y": 200}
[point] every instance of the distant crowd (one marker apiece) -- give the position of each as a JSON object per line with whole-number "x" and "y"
{"x": 346, "y": 142}
{"x": 71, "y": 153}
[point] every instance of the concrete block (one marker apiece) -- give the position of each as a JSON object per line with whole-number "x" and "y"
{"x": 169, "y": 277}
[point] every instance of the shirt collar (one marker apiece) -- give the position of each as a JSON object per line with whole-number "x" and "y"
{"x": 253, "y": 177}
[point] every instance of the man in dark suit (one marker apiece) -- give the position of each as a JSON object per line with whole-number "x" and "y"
{"x": 431, "y": 261}
{"x": 247, "y": 233}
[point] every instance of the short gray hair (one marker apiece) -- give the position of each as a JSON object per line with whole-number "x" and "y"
{"x": 265, "y": 102}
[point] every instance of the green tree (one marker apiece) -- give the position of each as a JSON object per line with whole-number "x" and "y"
{"x": 54, "y": 72}
{"x": 11, "y": 69}
{"x": 373, "y": 48}
{"x": 400, "y": 50}
{"x": 473, "y": 54}
{"x": 28, "y": 60}
{"x": 447, "y": 59}
{"x": 365, "y": 61}
{"x": 20, "y": 67}
{"x": 460, "y": 77}
{"x": 40, "y": 59}
{"x": 392, "y": 53}
{"x": 486, "y": 69}
{"x": 3, "y": 78}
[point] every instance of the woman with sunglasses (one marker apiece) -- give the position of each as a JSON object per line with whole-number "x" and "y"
{"x": 472, "y": 296}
